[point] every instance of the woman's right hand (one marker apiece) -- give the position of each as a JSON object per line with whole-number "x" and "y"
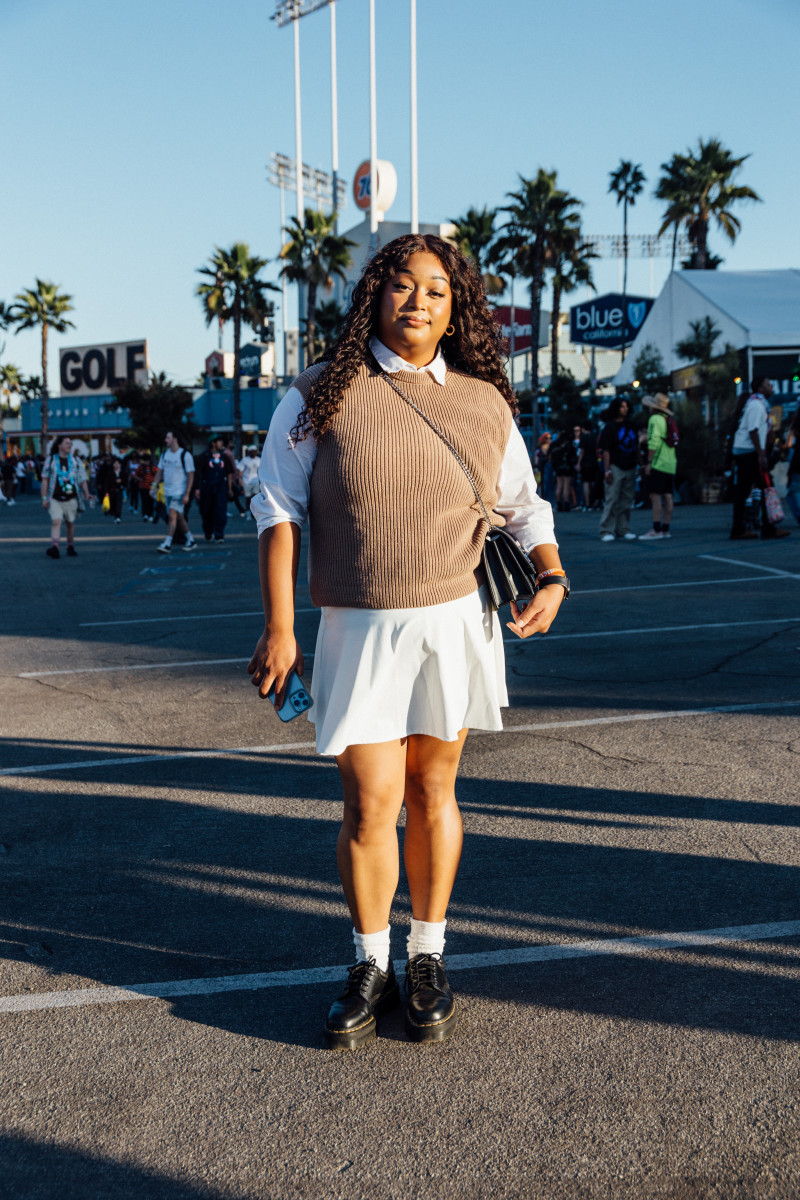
{"x": 45, "y": 502}
{"x": 274, "y": 658}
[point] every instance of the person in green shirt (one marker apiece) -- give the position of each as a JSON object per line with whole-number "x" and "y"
{"x": 661, "y": 466}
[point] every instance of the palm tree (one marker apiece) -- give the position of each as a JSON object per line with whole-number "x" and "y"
{"x": 234, "y": 293}
{"x": 673, "y": 189}
{"x": 626, "y": 182}
{"x": 312, "y": 256}
{"x": 572, "y": 268}
{"x": 474, "y": 234}
{"x": 535, "y": 212}
{"x": 10, "y": 381}
{"x": 43, "y": 306}
{"x": 700, "y": 184}
{"x": 330, "y": 318}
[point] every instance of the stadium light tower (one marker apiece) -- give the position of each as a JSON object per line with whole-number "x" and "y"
{"x": 287, "y": 11}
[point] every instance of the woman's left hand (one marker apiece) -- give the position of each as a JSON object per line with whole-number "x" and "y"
{"x": 539, "y": 614}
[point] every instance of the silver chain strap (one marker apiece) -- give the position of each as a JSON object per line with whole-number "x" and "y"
{"x": 443, "y": 437}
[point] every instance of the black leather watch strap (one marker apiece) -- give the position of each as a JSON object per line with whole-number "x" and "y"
{"x": 561, "y": 580}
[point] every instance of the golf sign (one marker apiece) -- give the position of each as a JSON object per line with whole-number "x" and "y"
{"x": 610, "y": 321}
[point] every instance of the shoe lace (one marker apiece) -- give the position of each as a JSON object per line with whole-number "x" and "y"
{"x": 424, "y": 970}
{"x": 360, "y": 975}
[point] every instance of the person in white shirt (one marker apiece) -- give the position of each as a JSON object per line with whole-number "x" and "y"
{"x": 248, "y": 475}
{"x": 409, "y": 653}
{"x": 176, "y": 468}
{"x": 751, "y": 443}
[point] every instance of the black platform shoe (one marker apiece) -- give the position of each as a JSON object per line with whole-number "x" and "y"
{"x": 368, "y": 994}
{"x": 430, "y": 1007}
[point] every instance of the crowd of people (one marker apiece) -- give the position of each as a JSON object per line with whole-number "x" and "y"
{"x": 619, "y": 467}
{"x": 610, "y": 470}
{"x": 149, "y": 486}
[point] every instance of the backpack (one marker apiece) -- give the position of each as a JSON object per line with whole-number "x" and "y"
{"x": 672, "y": 437}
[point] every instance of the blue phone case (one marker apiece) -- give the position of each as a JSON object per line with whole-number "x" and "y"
{"x": 296, "y": 700}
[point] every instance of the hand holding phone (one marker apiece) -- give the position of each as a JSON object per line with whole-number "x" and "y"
{"x": 296, "y": 699}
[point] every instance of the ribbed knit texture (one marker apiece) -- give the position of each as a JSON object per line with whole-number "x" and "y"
{"x": 394, "y": 521}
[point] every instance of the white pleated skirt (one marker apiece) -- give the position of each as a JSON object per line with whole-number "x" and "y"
{"x": 383, "y": 674}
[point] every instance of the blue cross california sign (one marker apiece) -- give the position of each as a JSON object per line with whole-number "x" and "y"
{"x": 609, "y": 321}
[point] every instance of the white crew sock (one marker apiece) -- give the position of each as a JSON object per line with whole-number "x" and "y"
{"x": 373, "y": 945}
{"x": 168, "y": 540}
{"x": 426, "y": 937}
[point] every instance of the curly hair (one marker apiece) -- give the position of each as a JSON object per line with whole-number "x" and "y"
{"x": 477, "y": 346}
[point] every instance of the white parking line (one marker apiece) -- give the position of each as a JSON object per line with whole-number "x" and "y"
{"x": 637, "y": 587}
{"x": 512, "y": 641}
{"x": 45, "y": 768}
{"x": 740, "y": 562}
{"x": 257, "y": 612}
{"x": 558, "y": 637}
{"x": 698, "y": 939}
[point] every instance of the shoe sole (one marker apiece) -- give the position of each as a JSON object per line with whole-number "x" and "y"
{"x": 351, "y": 1039}
{"x": 431, "y": 1033}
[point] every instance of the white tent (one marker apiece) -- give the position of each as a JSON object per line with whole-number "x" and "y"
{"x": 757, "y": 311}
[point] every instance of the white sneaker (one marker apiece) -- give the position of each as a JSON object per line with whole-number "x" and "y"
{"x": 164, "y": 547}
{"x": 192, "y": 545}
{"x": 11, "y": 503}
{"x": 652, "y": 535}
{"x": 629, "y": 537}
{"x": 667, "y": 534}
{"x": 607, "y": 537}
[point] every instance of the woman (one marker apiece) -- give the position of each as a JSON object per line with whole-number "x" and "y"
{"x": 409, "y": 654}
{"x": 793, "y": 474}
{"x": 565, "y": 459}
{"x": 63, "y": 486}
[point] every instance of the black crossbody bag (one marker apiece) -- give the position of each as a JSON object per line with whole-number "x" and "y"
{"x": 510, "y": 574}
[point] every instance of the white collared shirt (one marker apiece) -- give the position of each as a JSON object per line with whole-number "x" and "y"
{"x": 286, "y": 467}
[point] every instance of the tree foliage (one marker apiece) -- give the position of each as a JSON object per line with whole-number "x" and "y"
{"x": 649, "y": 369}
{"x": 314, "y": 256}
{"x": 46, "y": 307}
{"x": 474, "y": 235}
{"x": 153, "y": 410}
{"x": 626, "y": 182}
{"x": 233, "y": 291}
{"x": 698, "y": 188}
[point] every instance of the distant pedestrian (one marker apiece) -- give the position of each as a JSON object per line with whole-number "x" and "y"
{"x": 216, "y": 470}
{"x": 544, "y": 465}
{"x": 144, "y": 475}
{"x": 619, "y": 443}
{"x": 662, "y": 463}
{"x": 110, "y": 482}
{"x": 64, "y": 492}
{"x": 793, "y": 477}
{"x": 589, "y": 468}
{"x": 9, "y": 473}
{"x": 248, "y": 475}
{"x": 176, "y": 469}
{"x": 565, "y": 462}
{"x": 752, "y": 442}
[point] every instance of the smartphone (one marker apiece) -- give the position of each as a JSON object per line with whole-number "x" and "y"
{"x": 295, "y": 701}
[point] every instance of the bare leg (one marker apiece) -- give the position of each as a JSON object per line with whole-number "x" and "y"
{"x": 55, "y": 531}
{"x": 70, "y": 526}
{"x": 669, "y": 504}
{"x": 171, "y": 520}
{"x": 373, "y": 782}
{"x": 656, "y": 503}
{"x": 434, "y": 833}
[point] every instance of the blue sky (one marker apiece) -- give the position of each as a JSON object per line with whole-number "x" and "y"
{"x": 136, "y": 135}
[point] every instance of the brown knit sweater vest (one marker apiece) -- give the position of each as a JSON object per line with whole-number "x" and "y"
{"x": 394, "y": 521}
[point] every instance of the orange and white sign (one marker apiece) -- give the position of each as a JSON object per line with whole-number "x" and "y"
{"x": 387, "y": 185}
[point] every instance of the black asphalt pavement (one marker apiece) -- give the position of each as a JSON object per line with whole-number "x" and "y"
{"x": 624, "y": 932}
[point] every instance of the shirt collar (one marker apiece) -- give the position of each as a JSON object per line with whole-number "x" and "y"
{"x": 392, "y": 362}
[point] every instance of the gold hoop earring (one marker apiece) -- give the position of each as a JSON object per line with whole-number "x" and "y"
{"x": 449, "y": 331}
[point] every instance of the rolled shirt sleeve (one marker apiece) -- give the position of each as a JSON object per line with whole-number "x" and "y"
{"x": 284, "y": 473}
{"x": 528, "y": 517}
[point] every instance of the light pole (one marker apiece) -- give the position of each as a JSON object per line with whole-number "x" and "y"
{"x": 282, "y": 172}
{"x": 373, "y": 137}
{"x": 334, "y": 119}
{"x": 414, "y": 164}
